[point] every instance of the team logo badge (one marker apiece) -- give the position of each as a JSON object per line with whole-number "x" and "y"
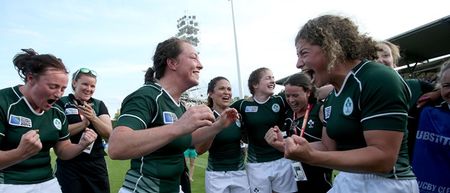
{"x": 238, "y": 123}
{"x": 310, "y": 124}
{"x": 57, "y": 123}
{"x": 20, "y": 121}
{"x": 348, "y": 106}
{"x": 275, "y": 108}
{"x": 169, "y": 117}
{"x": 327, "y": 112}
{"x": 251, "y": 109}
{"x": 71, "y": 111}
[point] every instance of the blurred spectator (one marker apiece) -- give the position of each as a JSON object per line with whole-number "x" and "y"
{"x": 432, "y": 150}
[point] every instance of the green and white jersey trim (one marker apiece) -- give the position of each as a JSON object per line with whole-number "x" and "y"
{"x": 148, "y": 107}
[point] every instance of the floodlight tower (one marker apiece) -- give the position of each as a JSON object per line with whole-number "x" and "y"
{"x": 188, "y": 29}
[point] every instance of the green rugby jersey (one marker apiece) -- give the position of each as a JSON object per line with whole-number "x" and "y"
{"x": 372, "y": 97}
{"x": 314, "y": 126}
{"x": 257, "y": 119}
{"x": 16, "y": 118}
{"x": 225, "y": 153}
{"x": 151, "y": 106}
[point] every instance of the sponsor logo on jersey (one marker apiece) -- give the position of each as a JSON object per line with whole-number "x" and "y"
{"x": 20, "y": 121}
{"x": 57, "y": 123}
{"x": 348, "y": 106}
{"x": 169, "y": 117}
{"x": 275, "y": 108}
{"x": 251, "y": 109}
{"x": 71, "y": 111}
{"x": 327, "y": 112}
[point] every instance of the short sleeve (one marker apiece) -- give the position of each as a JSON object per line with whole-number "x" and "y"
{"x": 64, "y": 132}
{"x": 384, "y": 101}
{"x": 137, "y": 112}
{"x": 102, "y": 109}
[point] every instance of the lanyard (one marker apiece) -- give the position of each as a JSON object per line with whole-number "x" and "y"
{"x": 305, "y": 120}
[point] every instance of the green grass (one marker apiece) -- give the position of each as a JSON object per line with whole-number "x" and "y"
{"x": 198, "y": 185}
{"x": 118, "y": 168}
{"x": 116, "y": 171}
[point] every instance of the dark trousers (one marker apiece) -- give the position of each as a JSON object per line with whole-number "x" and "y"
{"x": 76, "y": 176}
{"x": 184, "y": 180}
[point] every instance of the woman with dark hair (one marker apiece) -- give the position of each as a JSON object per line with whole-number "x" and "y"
{"x": 226, "y": 170}
{"x": 31, "y": 124}
{"x": 87, "y": 172}
{"x": 154, "y": 128}
{"x": 304, "y": 118}
{"x": 268, "y": 171}
{"x": 365, "y": 115}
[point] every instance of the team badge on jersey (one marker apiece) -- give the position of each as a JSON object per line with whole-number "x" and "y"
{"x": 20, "y": 121}
{"x": 169, "y": 117}
{"x": 57, "y": 123}
{"x": 251, "y": 109}
{"x": 310, "y": 123}
{"x": 348, "y": 106}
{"x": 238, "y": 123}
{"x": 71, "y": 111}
{"x": 327, "y": 112}
{"x": 276, "y": 108}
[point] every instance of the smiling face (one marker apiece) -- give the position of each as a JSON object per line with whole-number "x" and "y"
{"x": 221, "y": 94}
{"x": 266, "y": 84}
{"x": 188, "y": 64}
{"x": 445, "y": 83}
{"x": 312, "y": 61}
{"x": 44, "y": 90}
{"x": 384, "y": 54}
{"x": 296, "y": 97}
{"x": 84, "y": 87}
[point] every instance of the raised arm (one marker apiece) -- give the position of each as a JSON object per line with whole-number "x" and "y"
{"x": 203, "y": 134}
{"x": 102, "y": 124}
{"x": 29, "y": 145}
{"x": 66, "y": 150}
{"x": 379, "y": 156}
{"x": 126, "y": 143}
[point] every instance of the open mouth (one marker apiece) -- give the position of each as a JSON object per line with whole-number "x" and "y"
{"x": 310, "y": 73}
{"x": 51, "y": 101}
{"x": 226, "y": 98}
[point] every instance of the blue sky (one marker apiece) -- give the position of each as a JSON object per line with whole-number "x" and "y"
{"x": 118, "y": 38}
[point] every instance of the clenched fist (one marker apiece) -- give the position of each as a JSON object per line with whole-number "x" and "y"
{"x": 30, "y": 143}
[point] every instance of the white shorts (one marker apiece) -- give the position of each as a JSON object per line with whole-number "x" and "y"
{"x": 226, "y": 182}
{"x": 271, "y": 176}
{"x": 43, "y": 187}
{"x": 124, "y": 190}
{"x": 362, "y": 183}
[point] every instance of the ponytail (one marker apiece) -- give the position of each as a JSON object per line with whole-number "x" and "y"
{"x": 30, "y": 62}
{"x": 149, "y": 76}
